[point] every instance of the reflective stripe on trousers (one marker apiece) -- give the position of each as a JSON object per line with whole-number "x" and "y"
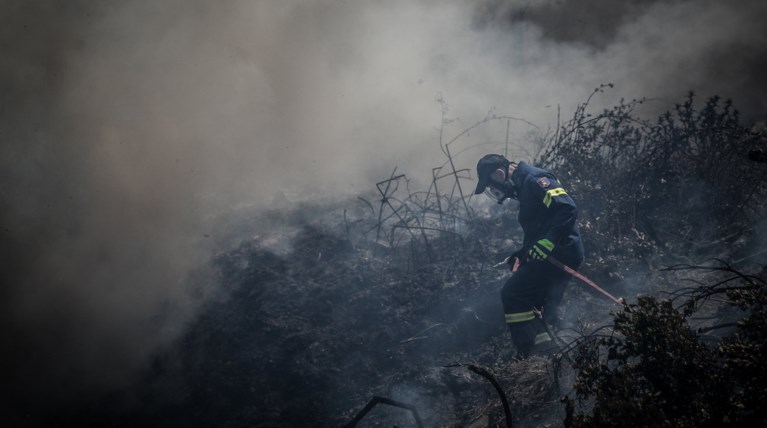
{"x": 519, "y": 317}
{"x": 542, "y": 337}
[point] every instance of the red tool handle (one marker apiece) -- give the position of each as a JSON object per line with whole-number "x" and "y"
{"x": 574, "y": 273}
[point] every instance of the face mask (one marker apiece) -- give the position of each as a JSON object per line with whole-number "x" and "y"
{"x": 497, "y": 195}
{"x": 500, "y": 192}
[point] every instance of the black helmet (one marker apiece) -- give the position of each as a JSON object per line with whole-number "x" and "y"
{"x": 486, "y": 166}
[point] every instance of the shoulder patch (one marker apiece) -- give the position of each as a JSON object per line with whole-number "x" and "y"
{"x": 543, "y": 182}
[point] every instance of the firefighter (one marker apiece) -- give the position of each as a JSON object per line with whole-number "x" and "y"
{"x": 548, "y": 217}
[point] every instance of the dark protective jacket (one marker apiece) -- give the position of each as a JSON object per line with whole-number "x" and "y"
{"x": 547, "y": 211}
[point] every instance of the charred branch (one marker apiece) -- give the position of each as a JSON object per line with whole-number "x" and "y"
{"x": 383, "y": 400}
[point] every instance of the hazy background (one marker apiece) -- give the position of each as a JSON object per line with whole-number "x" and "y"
{"x": 128, "y": 127}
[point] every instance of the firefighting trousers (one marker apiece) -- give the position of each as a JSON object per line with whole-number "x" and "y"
{"x": 534, "y": 286}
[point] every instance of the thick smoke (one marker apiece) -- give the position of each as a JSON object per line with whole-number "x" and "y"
{"x": 649, "y": 48}
{"x": 127, "y": 126}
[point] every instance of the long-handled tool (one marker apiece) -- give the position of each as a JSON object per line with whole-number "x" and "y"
{"x": 575, "y": 273}
{"x": 569, "y": 270}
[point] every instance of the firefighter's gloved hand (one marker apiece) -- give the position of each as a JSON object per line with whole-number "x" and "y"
{"x": 541, "y": 250}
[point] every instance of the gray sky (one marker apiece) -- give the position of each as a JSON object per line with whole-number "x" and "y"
{"x": 128, "y": 125}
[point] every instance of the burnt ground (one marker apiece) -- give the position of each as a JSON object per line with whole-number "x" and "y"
{"x": 307, "y": 336}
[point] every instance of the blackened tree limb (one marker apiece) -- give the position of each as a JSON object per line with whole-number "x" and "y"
{"x": 484, "y": 373}
{"x": 384, "y": 400}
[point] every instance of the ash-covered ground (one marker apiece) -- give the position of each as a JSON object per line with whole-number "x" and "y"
{"x": 306, "y": 334}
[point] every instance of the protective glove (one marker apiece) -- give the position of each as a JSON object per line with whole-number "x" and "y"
{"x": 541, "y": 250}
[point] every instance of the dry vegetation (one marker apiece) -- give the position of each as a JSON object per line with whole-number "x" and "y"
{"x": 397, "y": 298}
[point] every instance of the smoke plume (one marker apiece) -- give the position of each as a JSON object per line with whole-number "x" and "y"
{"x": 129, "y": 126}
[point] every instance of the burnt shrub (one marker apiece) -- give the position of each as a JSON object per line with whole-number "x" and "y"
{"x": 682, "y": 185}
{"x": 654, "y": 369}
